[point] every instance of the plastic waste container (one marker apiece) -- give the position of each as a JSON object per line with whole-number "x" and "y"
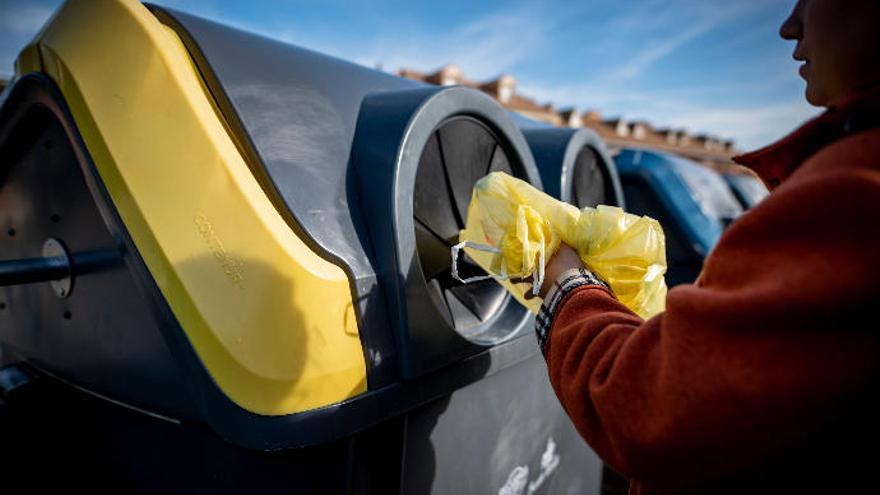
{"x": 691, "y": 202}
{"x": 225, "y": 267}
{"x": 748, "y": 189}
{"x": 575, "y": 166}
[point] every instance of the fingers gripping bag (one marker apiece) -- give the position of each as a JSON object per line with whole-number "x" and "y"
{"x": 513, "y": 229}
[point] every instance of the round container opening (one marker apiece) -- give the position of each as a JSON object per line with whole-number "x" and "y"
{"x": 589, "y": 183}
{"x": 460, "y": 151}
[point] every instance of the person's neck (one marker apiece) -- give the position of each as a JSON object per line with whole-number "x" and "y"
{"x": 857, "y": 93}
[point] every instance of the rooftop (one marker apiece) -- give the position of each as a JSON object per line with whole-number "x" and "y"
{"x": 617, "y": 132}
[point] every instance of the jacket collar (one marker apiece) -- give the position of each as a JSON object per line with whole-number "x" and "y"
{"x": 776, "y": 162}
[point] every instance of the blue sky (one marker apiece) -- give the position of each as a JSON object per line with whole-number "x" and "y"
{"x": 713, "y": 66}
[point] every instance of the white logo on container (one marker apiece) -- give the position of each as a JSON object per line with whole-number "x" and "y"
{"x": 518, "y": 480}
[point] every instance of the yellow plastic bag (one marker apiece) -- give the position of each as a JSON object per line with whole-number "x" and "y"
{"x": 513, "y": 229}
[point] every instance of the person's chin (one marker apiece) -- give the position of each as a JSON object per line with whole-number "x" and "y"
{"x": 814, "y": 96}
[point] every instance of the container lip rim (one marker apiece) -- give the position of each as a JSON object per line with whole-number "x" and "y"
{"x": 445, "y": 104}
{"x": 482, "y": 334}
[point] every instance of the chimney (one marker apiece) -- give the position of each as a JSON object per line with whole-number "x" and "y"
{"x": 621, "y": 127}
{"x": 570, "y": 117}
{"x": 448, "y": 75}
{"x": 684, "y": 139}
{"x": 704, "y": 141}
{"x": 670, "y": 136}
{"x": 502, "y": 88}
{"x": 639, "y": 130}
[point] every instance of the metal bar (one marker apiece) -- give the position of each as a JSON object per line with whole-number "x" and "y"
{"x": 32, "y": 270}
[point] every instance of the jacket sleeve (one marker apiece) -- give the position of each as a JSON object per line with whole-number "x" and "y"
{"x": 771, "y": 343}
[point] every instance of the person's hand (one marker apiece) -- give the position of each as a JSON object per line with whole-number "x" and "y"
{"x": 565, "y": 258}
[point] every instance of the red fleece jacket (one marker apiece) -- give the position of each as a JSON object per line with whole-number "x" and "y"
{"x": 762, "y": 375}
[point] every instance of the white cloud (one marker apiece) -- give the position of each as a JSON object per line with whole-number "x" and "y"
{"x": 661, "y": 28}
{"x": 483, "y": 48}
{"x": 658, "y": 29}
{"x": 655, "y": 51}
{"x": 750, "y": 125}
